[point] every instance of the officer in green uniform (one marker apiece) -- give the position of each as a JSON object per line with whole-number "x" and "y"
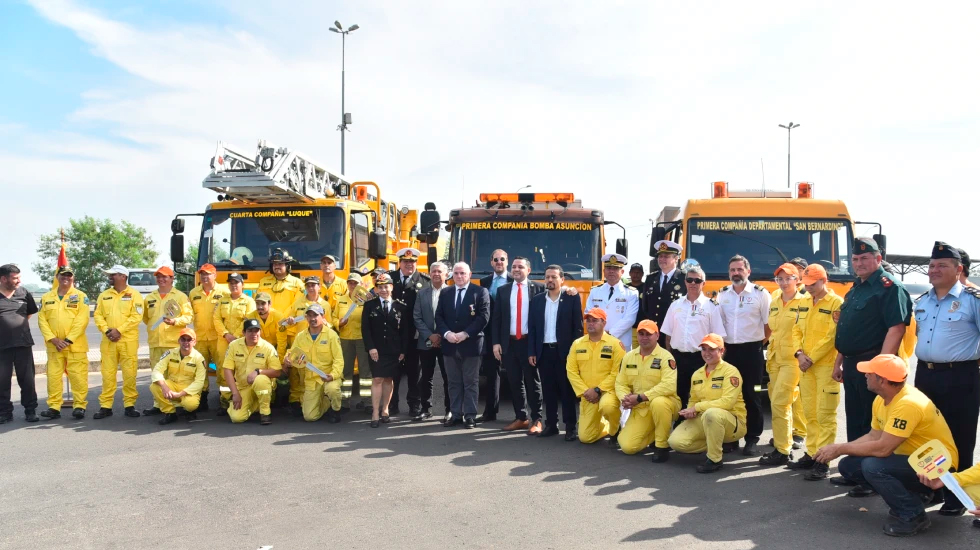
{"x": 872, "y": 322}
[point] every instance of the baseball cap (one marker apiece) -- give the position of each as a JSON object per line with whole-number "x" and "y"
{"x": 117, "y": 269}
{"x": 889, "y": 367}
{"x": 250, "y": 324}
{"x": 713, "y": 341}
{"x": 236, "y": 277}
{"x": 382, "y": 279}
{"x": 596, "y": 313}
{"x": 636, "y": 266}
{"x": 648, "y": 325}
{"x": 164, "y": 270}
{"x": 354, "y": 277}
{"x": 311, "y": 279}
{"x": 814, "y": 273}
{"x": 789, "y": 269}
{"x": 263, "y": 297}
{"x": 328, "y": 257}
{"x": 65, "y": 270}
{"x": 207, "y": 268}
{"x": 187, "y": 332}
{"x": 315, "y": 308}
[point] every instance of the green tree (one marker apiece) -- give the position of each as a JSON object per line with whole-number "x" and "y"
{"x": 93, "y": 246}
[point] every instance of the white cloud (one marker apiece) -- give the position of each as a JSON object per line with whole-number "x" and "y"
{"x": 636, "y": 99}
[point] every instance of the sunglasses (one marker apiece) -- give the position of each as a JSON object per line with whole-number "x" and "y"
{"x": 694, "y": 281}
{"x": 500, "y": 259}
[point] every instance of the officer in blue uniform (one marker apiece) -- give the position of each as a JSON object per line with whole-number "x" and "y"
{"x": 948, "y": 349}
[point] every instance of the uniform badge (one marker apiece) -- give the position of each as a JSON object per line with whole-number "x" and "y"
{"x": 954, "y": 306}
{"x": 473, "y": 310}
{"x": 673, "y": 365}
{"x": 836, "y": 316}
{"x": 734, "y": 380}
{"x": 418, "y": 285}
{"x": 886, "y": 282}
{"x": 677, "y": 288}
{"x": 656, "y": 364}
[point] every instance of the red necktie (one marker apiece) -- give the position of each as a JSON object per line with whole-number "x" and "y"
{"x": 520, "y": 300}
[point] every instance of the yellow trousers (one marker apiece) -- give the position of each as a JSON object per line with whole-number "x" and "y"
{"x": 820, "y": 395}
{"x": 649, "y": 424}
{"x": 784, "y": 380}
{"x": 255, "y": 398}
{"x": 118, "y": 355}
{"x": 706, "y": 432}
{"x": 76, "y": 365}
{"x": 209, "y": 349}
{"x": 189, "y": 402}
{"x": 317, "y": 399}
{"x": 297, "y": 384}
{"x": 597, "y": 420}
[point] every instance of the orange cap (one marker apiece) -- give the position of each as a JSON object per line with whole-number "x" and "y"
{"x": 187, "y": 332}
{"x": 789, "y": 268}
{"x": 164, "y": 271}
{"x": 207, "y": 268}
{"x": 597, "y": 313}
{"x": 889, "y": 367}
{"x": 814, "y": 273}
{"x": 648, "y": 325}
{"x": 713, "y": 341}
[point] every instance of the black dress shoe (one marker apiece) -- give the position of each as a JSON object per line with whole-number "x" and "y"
{"x": 450, "y": 421}
{"x": 51, "y": 414}
{"x": 30, "y": 415}
{"x": 749, "y": 448}
{"x": 152, "y": 411}
{"x": 413, "y": 412}
{"x": 709, "y": 466}
{"x": 376, "y": 423}
{"x": 484, "y": 418}
{"x": 900, "y": 528}
{"x": 203, "y": 407}
{"x": 103, "y": 412}
{"x": 818, "y": 472}
{"x": 842, "y": 481}
{"x": 168, "y": 418}
{"x": 78, "y": 414}
{"x": 952, "y": 508}
{"x": 660, "y": 455}
{"x": 805, "y": 462}
{"x": 775, "y": 458}
{"x": 131, "y": 412}
{"x": 861, "y": 491}
{"x": 571, "y": 435}
{"x": 469, "y": 422}
{"x": 265, "y": 419}
{"x": 976, "y": 523}
{"x": 549, "y": 431}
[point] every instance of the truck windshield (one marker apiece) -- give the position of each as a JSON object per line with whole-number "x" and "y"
{"x": 244, "y": 238}
{"x": 575, "y": 246}
{"x": 768, "y": 243}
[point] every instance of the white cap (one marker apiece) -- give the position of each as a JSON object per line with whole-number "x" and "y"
{"x": 117, "y": 269}
{"x": 408, "y": 254}
{"x": 667, "y": 247}
{"x": 614, "y": 260}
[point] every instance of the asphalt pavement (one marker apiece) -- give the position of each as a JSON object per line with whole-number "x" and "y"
{"x": 129, "y": 483}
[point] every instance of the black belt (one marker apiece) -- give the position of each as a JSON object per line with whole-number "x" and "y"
{"x": 944, "y": 366}
{"x": 551, "y": 345}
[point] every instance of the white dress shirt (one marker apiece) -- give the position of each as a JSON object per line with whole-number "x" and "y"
{"x": 525, "y": 302}
{"x": 435, "y": 300}
{"x": 664, "y": 277}
{"x": 745, "y": 314}
{"x": 687, "y": 323}
{"x": 620, "y": 308}
{"x": 551, "y": 318}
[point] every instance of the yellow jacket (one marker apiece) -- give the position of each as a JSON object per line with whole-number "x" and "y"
{"x": 203, "y": 306}
{"x": 298, "y": 309}
{"x": 594, "y": 364}
{"x": 65, "y": 318}
{"x": 241, "y": 360}
{"x": 283, "y": 292}
{"x": 324, "y": 353}
{"x": 333, "y": 291}
{"x": 352, "y": 330}
{"x": 186, "y": 373}
{"x": 816, "y": 329}
{"x": 723, "y": 391}
{"x": 230, "y": 314}
{"x": 122, "y": 311}
{"x": 654, "y": 376}
{"x": 165, "y": 336}
{"x": 782, "y": 317}
{"x": 272, "y": 331}
{"x": 969, "y": 479}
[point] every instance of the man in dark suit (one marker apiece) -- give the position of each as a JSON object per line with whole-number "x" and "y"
{"x": 510, "y": 346}
{"x": 662, "y": 287}
{"x": 555, "y": 322}
{"x": 407, "y": 284}
{"x": 491, "y": 366}
{"x": 463, "y": 311}
{"x": 429, "y": 343}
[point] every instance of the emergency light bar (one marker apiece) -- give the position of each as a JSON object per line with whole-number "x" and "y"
{"x": 527, "y": 197}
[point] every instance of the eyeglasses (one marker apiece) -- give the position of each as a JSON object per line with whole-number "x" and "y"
{"x": 694, "y": 281}
{"x": 500, "y": 259}
{"x": 782, "y": 281}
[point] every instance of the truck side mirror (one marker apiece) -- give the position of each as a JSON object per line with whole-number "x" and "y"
{"x": 378, "y": 245}
{"x": 622, "y": 247}
{"x": 659, "y": 233}
{"x": 882, "y": 243}
{"x": 177, "y": 225}
{"x": 177, "y": 248}
{"x": 429, "y": 221}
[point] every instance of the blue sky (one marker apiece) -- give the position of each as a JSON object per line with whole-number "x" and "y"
{"x": 115, "y": 107}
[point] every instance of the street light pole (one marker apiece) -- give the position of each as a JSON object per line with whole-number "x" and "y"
{"x": 789, "y": 131}
{"x": 344, "y": 115}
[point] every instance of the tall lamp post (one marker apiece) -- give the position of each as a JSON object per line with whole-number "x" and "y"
{"x": 789, "y": 131}
{"x": 344, "y": 115}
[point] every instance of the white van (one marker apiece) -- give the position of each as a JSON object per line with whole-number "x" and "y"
{"x": 142, "y": 280}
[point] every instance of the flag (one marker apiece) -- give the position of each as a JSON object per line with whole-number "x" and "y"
{"x": 62, "y": 260}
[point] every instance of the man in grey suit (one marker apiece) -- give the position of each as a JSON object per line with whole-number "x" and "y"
{"x": 430, "y": 341}
{"x": 463, "y": 311}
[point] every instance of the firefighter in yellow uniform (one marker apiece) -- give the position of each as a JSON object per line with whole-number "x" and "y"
{"x": 319, "y": 346}
{"x": 784, "y": 373}
{"x": 118, "y": 312}
{"x": 295, "y": 323}
{"x": 204, "y": 300}
{"x": 351, "y": 341}
{"x": 332, "y": 287}
{"x": 283, "y": 287}
{"x": 178, "y": 378}
{"x": 647, "y": 387}
{"x": 270, "y": 320}
{"x": 62, "y": 319}
{"x": 250, "y": 370}
{"x": 715, "y": 413}
{"x": 813, "y": 341}
{"x": 231, "y": 312}
{"x": 162, "y": 330}
{"x": 592, "y": 364}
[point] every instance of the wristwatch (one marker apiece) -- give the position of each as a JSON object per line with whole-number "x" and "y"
{"x": 640, "y": 398}
{"x": 798, "y": 352}
{"x": 597, "y": 390}
{"x": 107, "y": 332}
{"x": 69, "y": 342}
{"x": 258, "y": 371}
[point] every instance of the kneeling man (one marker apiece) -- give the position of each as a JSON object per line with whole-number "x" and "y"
{"x": 178, "y": 378}
{"x": 250, "y": 369}
{"x": 320, "y": 348}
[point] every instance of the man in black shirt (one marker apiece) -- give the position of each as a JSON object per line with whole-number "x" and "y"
{"x": 16, "y": 307}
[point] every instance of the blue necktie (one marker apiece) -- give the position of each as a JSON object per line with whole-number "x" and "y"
{"x": 459, "y": 298}
{"x": 494, "y": 285}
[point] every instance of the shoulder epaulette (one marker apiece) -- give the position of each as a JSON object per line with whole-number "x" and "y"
{"x": 724, "y": 288}
{"x": 759, "y": 287}
{"x": 971, "y": 290}
{"x": 425, "y": 276}
{"x": 713, "y": 301}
